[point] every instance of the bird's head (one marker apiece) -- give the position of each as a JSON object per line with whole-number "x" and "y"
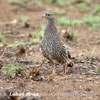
{"x": 48, "y": 16}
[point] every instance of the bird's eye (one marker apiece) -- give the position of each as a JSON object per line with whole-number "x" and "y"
{"x": 48, "y": 14}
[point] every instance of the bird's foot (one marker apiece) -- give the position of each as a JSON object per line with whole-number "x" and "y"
{"x": 54, "y": 70}
{"x": 64, "y": 69}
{"x": 53, "y": 73}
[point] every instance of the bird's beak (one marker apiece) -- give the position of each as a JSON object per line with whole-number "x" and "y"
{"x": 43, "y": 16}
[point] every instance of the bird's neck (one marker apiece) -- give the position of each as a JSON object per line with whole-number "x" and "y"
{"x": 50, "y": 22}
{"x": 51, "y": 29}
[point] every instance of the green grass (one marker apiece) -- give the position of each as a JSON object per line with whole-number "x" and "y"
{"x": 19, "y": 2}
{"x": 89, "y": 1}
{"x": 34, "y": 41}
{"x": 59, "y": 12}
{"x": 2, "y": 39}
{"x": 18, "y": 43}
{"x": 91, "y": 19}
{"x": 83, "y": 6}
{"x": 18, "y": 69}
{"x": 24, "y": 22}
{"x": 41, "y": 33}
{"x": 10, "y": 71}
{"x": 13, "y": 69}
{"x": 15, "y": 1}
{"x": 60, "y": 3}
{"x": 95, "y": 27}
{"x": 71, "y": 24}
{"x": 96, "y": 9}
{"x": 76, "y": 22}
{"x": 72, "y": 32}
{"x": 50, "y": 1}
{"x": 70, "y": 3}
{"x": 38, "y": 36}
{"x": 97, "y": 71}
{"x": 24, "y": 2}
{"x": 38, "y": 3}
{"x": 63, "y": 21}
{"x": 92, "y": 53}
{"x": 94, "y": 21}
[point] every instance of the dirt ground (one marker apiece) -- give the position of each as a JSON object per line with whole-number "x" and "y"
{"x": 82, "y": 82}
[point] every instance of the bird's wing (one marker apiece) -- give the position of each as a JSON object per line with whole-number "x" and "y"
{"x": 68, "y": 48}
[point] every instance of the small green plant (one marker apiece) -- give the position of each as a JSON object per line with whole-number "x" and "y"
{"x": 95, "y": 27}
{"x": 97, "y": 71}
{"x": 34, "y": 41}
{"x": 96, "y": 9}
{"x": 25, "y": 2}
{"x": 49, "y": 1}
{"x": 71, "y": 32}
{"x": 17, "y": 43}
{"x": 2, "y": 39}
{"x": 13, "y": 69}
{"x": 19, "y": 2}
{"x": 64, "y": 2}
{"x": 82, "y": 6}
{"x": 69, "y": 3}
{"x": 38, "y": 3}
{"x": 24, "y": 22}
{"x": 58, "y": 11}
{"x": 40, "y": 34}
{"x": 15, "y": 1}
{"x": 91, "y": 19}
{"x": 61, "y": 2}
{"x": 89, "y": 1}
{"x": 65, "y": 22}
{"x": 37, "y": 36}
{"x": 10, "y": 71}
{"x": 94, "y": 21}
{"x": 76, "y": 22}
{"x": 18, "y": 69}
{"x": 92, "y": 53}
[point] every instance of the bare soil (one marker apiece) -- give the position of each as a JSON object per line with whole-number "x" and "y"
{"x": 82, "y": 82}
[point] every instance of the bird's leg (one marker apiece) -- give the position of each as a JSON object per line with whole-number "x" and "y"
{"x": 64, "y": 69}
{"x": 54, "y": 69}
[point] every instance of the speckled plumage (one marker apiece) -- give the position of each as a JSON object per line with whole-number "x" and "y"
{"x": 52, "y": 47}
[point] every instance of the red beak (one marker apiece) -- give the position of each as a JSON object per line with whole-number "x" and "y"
{"x": 43, "y": 16}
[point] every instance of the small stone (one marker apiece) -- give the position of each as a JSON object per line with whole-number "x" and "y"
{"x": 88, "y": 89}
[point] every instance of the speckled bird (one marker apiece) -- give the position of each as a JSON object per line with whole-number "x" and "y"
{"x": 52, "y": 47}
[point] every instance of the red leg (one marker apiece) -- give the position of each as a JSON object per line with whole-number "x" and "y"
{"x": 64, "y": 69}
{"x": 54, "y": 70}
